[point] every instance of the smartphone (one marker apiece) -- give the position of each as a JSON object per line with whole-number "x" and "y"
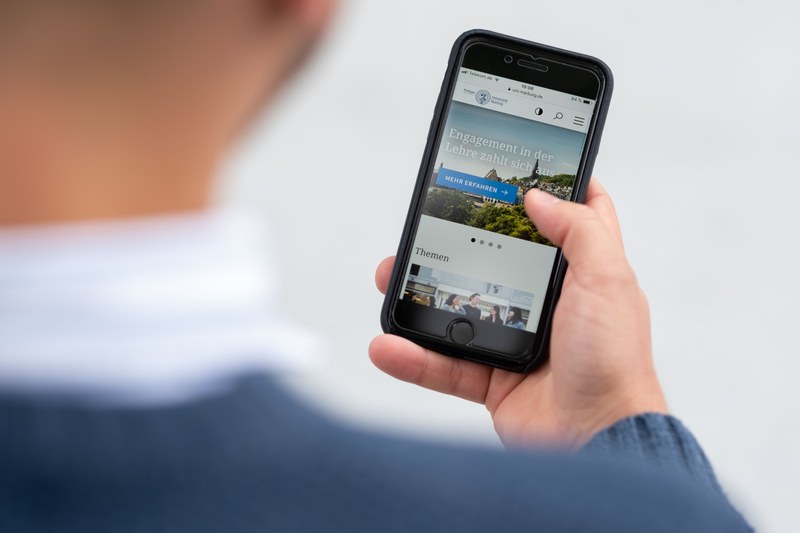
{"x": 473, "y": 277}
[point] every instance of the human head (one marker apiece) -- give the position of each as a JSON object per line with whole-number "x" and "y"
{"x": 495, "y": 309}
{"x": 514, "y": 315}
{"x": 474, "y": 299}
{"x": 451, "y": 300}
{"x": 113, "y": 108}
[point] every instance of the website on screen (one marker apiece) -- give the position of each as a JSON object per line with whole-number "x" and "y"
{"x": 476, "y": 253}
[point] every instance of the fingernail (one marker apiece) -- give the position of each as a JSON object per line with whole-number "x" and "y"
{"x": 542, "y": 197}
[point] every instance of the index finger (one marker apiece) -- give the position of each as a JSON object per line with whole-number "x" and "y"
{"x": 384, "y": 273}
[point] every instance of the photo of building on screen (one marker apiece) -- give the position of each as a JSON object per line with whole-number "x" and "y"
{"x": 474, "y": 299}
{"x": 483, "y": 170}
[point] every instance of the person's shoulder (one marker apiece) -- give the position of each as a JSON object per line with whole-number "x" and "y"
{"x": 266, "y": 457}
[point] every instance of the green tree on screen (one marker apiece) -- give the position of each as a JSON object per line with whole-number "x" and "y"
{"x": 506, "y": 220}
{"x": 449, "y": 205}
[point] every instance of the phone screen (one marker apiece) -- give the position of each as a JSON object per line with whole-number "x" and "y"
{"x": 507, "y": 128}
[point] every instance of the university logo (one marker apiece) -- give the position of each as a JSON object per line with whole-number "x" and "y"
{"x": 483, "y": 96}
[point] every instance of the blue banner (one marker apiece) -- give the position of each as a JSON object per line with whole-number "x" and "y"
{"x": 462, "y": 181}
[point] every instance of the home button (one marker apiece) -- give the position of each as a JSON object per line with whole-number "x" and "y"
{"x": 461, "y": 332}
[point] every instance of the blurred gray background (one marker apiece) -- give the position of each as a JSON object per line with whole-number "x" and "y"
{"x": 700, "y": 154}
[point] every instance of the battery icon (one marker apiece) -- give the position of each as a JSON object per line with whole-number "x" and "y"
{"x": 586, "y": 102}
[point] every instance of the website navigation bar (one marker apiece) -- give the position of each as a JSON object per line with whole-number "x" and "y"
{"x": 524, "y": 100}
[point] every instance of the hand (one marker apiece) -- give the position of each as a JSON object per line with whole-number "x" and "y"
{"x": 600, "y": 368}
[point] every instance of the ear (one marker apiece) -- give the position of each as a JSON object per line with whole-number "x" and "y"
{"x": 314, "y": 14}
{"x": 309, "y": 16}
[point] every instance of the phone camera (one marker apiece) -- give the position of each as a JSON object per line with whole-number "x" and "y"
{"x": 508, "y": 60}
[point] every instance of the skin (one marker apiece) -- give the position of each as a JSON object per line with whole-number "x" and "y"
{"x": 600, "y": 369}
{"x": 123, "y": 109}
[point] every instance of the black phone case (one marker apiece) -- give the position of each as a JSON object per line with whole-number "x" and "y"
{"x": 540, "y": 348}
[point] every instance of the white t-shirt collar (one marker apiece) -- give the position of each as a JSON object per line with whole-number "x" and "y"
{"x": 147, "y": 311}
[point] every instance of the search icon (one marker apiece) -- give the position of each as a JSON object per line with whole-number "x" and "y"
{"x": 559, "y": 115}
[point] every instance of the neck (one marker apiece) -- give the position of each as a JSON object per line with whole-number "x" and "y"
{"x": 27, "y": 198}
{"x": 45, "y": 179}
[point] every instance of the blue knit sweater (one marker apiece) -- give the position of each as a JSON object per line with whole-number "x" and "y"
{"x": 255, "y": 459}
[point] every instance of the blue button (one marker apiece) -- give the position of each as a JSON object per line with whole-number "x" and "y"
{"x": 462, "y": 181}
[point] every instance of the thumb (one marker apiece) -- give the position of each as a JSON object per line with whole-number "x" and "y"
{"x": 586, "y": 240}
